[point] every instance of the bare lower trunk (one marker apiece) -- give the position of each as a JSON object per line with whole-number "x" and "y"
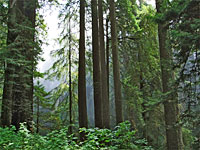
{"x": 107, "y": 56}
{"x": 82, "y": 107}
{"x": 96, "y": 67}
{"x": 116, "y": 69}
{"x": 105, "y": 100}
{"x": 6, "y": 114}
{"x": 70, "y": 82}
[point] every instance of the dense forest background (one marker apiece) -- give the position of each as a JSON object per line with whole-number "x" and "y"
{"x": 124, "y": 75}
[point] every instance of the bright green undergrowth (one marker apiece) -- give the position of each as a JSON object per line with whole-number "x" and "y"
{"x": 120, "y": 138}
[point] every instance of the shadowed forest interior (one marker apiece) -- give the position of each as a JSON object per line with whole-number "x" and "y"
{"x": 99, "y": 74}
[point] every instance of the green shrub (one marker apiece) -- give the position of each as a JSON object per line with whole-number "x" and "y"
{"x": 121, "y": 138}
{"x": 188, "y": 138}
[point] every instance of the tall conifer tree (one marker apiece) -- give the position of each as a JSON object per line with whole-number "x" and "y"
{"x": 18, "y": 84}
{"x": 96, "y": 67}
{"x": 6, "y": 113}
{"x": 173, "y": 133}
{"x": 82, "y": 106}
{"x": 104, "y": 86}
{"x": 116, "y": 68}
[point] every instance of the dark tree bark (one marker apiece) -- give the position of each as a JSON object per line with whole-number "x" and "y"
{"x": 6, "y": 113}
{"x": 116, "y": 69}
{"x": 173, "y": 133}
{"x": 21, "y": 42}
{"x": 83, "y": 121}
{"x": 30, "y": 13}
{"x": 105, "y": 100}
{"x": 96, "y": 67}
{"x": 70, "y": 81}
{"x": 38, "y": 115}
{"x": 107, "y": 55}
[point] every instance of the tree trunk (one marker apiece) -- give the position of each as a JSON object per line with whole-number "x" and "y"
{"x": 38, "y": 115}
{"x": 70, "y": 81}
{"x": 171, "y": 104}
{"x": 116, "y": 69}
{"x": 96, "y": 67}
{"x": 105, "y": 100}
{"x": 6, "y": 113}
{"x": 21, "y": 13}
{"x": 30, "y": 13}
{"x": 82, "y": 107}
{"x": 107, "y": 56}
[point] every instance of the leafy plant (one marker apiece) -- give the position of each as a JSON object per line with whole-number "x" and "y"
{"x": 121, "y": 138}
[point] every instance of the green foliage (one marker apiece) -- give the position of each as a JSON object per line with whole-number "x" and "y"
{"x": 10, "y": 140}
{"x": 140, "y": 72}
{"x": 121, "y": 138}
{"x": 96, "y": 138}
{"x": 184, "y": 40}
{"x": 141, "y": 77}
{"x": 59, "y": 71}
{"x": 126, "y": 15}
{"x": 56, "y": 140}
{"x": 49, "y": 117}
{"x": 188, "y": 138}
